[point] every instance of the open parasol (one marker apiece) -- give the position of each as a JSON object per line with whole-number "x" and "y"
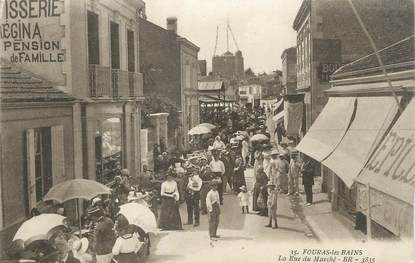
{"x": 139, "y": 215}
{"x": 208, "y": 125}
{"x": 199, "y": 130}
{"x": 38, "y": 227}
{"x": 259, "y": 137}
{"x": 76, "y": 189}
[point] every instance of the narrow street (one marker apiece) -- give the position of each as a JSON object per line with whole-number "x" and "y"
{"x": 244, "y": 233}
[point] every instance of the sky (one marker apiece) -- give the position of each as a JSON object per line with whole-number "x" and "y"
{"x": 262, "y": 28}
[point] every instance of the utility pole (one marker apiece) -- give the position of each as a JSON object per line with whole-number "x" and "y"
{"x": 227, "y": 36}
{"x": 216, "y": 42}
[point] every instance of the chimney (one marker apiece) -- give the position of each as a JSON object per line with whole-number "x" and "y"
{"x": 172, "y": 24}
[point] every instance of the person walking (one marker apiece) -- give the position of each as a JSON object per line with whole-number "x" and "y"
{"x": 243, "y": 197}
{"x": 239, "y": 175}
{"x": 169, "y": 213}
{"x": 272, "y": 205}
{"x": 212, "y": 203}
{"x": 261, "y": 180}
{"x": 282, "y": 168}
{"x": 308, "y": 179}
{"x": 245, "y": 151}
{"x": 218, "y": 170}
{"x": 294, "y": 174}
{"x": 192, "y": 197}
{"x": 224, "y": 157}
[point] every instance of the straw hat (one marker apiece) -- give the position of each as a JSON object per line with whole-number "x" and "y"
{"x": 243, "y": 188}
{"x": 80, "y": 245}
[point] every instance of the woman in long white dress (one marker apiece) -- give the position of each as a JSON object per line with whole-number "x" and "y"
{"x": 169, "y": 213}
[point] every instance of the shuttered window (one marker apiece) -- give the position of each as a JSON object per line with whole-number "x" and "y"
{"x": 45, "y": 161}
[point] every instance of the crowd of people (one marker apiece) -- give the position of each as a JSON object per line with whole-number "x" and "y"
{"x": 197, "y": 178}
{"x": 218, "y": 161}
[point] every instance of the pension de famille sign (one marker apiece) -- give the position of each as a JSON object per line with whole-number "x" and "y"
{"x": 30, "y": 31}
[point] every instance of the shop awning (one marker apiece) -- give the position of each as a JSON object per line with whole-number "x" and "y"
{"x": 293, "y": 118}
{"x": 277, "y": 105}
{"x": 328, "y": 129}
{"x": 391, "y": 169}
{"x": 373, "y": 116}
{"x": 279, "y": 116}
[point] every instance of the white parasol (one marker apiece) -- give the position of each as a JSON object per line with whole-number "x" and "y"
{"x": 139, "y": 215}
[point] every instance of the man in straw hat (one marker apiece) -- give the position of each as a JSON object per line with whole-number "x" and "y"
{"x": 192, "y": 197}
{"x": 212, "y": 203}
{"x": 272, "y": 204}
{"x": 294, "y": 173}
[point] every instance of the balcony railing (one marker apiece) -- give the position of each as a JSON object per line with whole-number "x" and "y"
{"x": 114, "y": 83}
{"x": 99, "y": 81}
{"x": 135, "y": 84}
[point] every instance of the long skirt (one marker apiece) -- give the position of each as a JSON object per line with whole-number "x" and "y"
{"x": 238, "y": 180}
{"x": 169, "y": 214}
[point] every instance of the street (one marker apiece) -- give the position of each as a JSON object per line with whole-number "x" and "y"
{"x": 244, "y": 233}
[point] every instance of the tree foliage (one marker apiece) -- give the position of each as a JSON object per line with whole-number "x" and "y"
{"x": 158, "y": 104}
{"x": 249, "y": 72}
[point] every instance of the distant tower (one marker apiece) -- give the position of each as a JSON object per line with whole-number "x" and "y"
{"x": 239, "y": 64}
{"x": 172, "y": 24}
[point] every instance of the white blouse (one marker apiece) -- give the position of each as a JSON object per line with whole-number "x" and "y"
{"x": 169, "y": 189}
{"x": 127, "y": 244}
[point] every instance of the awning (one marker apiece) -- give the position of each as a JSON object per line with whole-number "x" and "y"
{"x": 328, "y": 129}
{"x": 277, "y": 104}
{"x": 392, "y": 167}
{"x": 293, "y": 118}
{"x": 279, "y": 116}
{"x": 373, "y": 116}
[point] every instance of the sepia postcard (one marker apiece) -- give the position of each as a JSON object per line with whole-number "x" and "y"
{"x": 136, "y": 131}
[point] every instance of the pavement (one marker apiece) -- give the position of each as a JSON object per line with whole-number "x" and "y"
{"x": 243, "y": 236}
{"x": 323, "y": 223}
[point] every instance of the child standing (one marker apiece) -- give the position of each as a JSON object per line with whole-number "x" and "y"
{"x": 272, "y": 204}
{"x": 243, "y": 197}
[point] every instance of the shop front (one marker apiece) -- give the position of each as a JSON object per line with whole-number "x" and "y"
{"x": 108, "y": 149}
{"x": 112, "y": 135}
{"x": 386, "y": 184}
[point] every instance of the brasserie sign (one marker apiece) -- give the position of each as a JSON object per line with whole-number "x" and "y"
{"x": 29, "y": 31}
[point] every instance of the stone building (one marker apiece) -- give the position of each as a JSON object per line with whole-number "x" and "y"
{"x": 329, "y": 35}
{"x": 362, "y": 139}
{"x": 228, "y": 65}
{"x": 87, "y": 93}
{"x": 170, "y": 66}
{"x": 289, "y": 70}
{"x": 202, "y": 68}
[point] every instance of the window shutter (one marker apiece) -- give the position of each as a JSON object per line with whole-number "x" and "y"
{"x": 31, "y": 182}
{"x": 58, "y": 164}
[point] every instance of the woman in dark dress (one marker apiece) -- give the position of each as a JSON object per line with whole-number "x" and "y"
{"x": 239, "y": 175}
{"x": 169, "y": 213}
{"x": 261, "y": 180}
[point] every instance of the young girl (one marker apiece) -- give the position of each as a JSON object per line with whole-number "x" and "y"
{"x": 243, "y": 197}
